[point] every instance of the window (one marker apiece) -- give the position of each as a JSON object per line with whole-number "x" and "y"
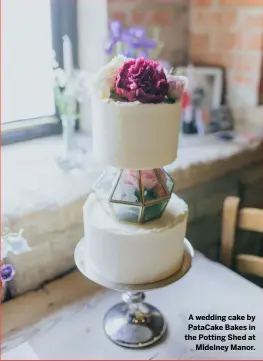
{"x": 31, "y": 30}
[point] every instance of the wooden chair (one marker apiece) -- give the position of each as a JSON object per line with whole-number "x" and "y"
{"x": 250, "y": 219}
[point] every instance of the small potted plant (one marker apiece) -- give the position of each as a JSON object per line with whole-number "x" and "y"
{"x": 16, "y": 244}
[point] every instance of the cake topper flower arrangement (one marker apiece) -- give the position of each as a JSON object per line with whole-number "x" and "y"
{"x": 142, "y": 80}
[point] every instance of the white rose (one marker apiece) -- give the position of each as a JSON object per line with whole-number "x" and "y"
{"x": 103, "y": 81}
{"x": 60, "y": 77}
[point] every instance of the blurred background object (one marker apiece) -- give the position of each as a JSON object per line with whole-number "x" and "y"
{"x": 206, "y": 33}
{"x": 132, "y": 42}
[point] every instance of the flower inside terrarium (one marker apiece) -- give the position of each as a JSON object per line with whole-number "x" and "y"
{"x": 140, "y": 195}
{"x": 147, "y": 184}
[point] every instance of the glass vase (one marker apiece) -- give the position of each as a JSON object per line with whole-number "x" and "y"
{"x": 72, "y": 155}
{"x": 68, "y": 134}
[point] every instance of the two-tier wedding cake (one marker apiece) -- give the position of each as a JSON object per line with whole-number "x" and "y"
{"x": 134, "y": 224}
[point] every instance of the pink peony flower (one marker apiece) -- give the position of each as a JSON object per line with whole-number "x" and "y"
{"x": 148, "y": 178}
{"x": 131, "y": 177}
{"x": 142, "y": 80}
{"x": 177, "y": 86}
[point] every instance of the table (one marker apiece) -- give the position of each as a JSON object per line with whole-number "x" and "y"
{"x": 209, "y": 288}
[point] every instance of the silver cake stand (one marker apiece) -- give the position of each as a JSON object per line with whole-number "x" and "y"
{"x": 134, "y": 323}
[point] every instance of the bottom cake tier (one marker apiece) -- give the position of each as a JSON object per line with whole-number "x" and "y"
{"x": 134, "y": 253}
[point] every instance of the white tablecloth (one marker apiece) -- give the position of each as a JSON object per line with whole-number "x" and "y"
{"x": 21, "y": 352}
{"x": 208, "y": 288}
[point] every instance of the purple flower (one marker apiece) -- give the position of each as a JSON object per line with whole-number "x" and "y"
{"x": 142, "y": 80}
{"x": 7, "y": 272}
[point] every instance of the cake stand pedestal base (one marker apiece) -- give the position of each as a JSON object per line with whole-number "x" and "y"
{"x": 134, "y": 323}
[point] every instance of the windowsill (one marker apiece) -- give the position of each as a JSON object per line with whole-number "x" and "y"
{"x": 27, "y": 123}
{"x": 32, "y": 180}
{"x": 47, "y": 203}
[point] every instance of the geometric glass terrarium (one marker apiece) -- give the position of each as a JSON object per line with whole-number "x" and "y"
{"x": 136, "y": 196}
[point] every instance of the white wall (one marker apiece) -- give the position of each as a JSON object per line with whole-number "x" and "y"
{"x": 92, "y": 36}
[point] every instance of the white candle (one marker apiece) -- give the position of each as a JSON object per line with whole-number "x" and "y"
{"x": 67, "y": 56}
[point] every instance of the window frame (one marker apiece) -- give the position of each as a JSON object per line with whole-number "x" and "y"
{"x": 64, "y": 21}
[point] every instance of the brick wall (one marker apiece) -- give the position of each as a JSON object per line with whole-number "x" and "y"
{"x": 170, "y": 16}
{"x": 229, "y": 33}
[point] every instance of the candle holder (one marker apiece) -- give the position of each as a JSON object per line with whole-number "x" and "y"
{"x": 136, "y": 196}
{"x": 70, "y": 86}
{"x": 72, "y": 155}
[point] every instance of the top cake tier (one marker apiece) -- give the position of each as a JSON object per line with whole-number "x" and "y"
{"x": 132, "y": 135}
{"x": 136, "y": 113}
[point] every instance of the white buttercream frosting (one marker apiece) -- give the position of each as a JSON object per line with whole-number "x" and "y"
{"x": 134, "y": 253}
{"x": 174, "y": 213}
{"x": 135, "y": 135}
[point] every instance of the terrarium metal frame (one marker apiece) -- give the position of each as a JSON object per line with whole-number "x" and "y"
{"x": 142, "y": 205}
